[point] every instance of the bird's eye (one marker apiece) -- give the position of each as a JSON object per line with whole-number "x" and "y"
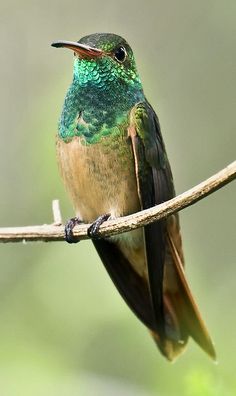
{"x": 120, "y": 54}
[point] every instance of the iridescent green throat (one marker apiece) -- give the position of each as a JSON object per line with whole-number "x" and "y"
{"x": 99, "y": 99}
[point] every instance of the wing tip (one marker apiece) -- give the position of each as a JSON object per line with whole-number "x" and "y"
{"x": 173, "y": 349}
{"x": 210, "y": 350}
{"x": 169, "y": 348}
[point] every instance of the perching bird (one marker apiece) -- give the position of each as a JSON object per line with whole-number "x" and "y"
{"x": 113, "y": 162}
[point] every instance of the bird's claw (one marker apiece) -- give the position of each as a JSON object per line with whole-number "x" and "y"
{"x": 70, "y": 225}
{"x": 93, "y": 230}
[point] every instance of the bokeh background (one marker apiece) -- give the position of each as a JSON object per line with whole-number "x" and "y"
{"x": 64, "y": 330}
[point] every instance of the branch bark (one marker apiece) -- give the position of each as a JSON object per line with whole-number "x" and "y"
{"x": 55, "y": 232}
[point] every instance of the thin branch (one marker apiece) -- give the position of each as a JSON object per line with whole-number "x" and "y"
{"x": 54, "y": 232}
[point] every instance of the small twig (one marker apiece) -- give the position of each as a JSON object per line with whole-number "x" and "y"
{"x": 56, "y": 212}
{"x": 54, "y": 232}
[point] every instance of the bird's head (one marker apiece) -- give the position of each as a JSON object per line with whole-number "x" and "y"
{"x": 103, "y": 60}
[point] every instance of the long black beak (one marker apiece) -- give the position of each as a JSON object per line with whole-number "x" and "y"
{"x": 80, "y": 49}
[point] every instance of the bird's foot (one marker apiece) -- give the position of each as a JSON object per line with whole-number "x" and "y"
{"x": 70, "y": 225}
{"x": 93, "y": 230}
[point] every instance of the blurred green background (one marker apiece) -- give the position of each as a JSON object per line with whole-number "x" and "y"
{"x": 64, "y": 330}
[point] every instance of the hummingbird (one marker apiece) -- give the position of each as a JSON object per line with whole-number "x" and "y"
{"x": 113, "y": 162}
